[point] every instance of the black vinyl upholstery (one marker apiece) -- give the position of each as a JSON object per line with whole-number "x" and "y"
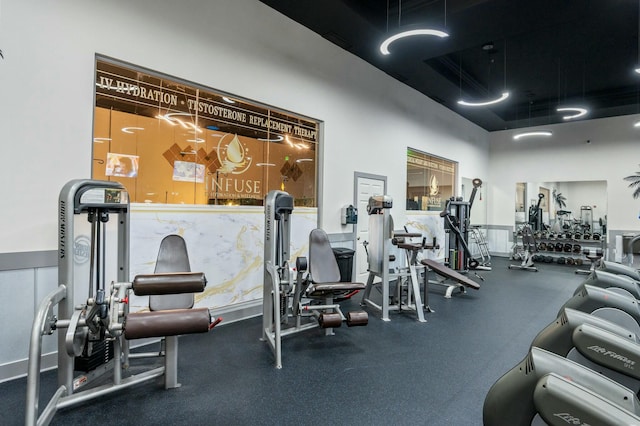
{"x": 172, "y": 257}
{"x": 323, "y": 266}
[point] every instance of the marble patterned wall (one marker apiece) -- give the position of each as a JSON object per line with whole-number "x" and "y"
{"x": 429, "y": 225}
{"x": 226, "y": 243}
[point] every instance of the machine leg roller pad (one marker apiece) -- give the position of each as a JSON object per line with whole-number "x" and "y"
{"x": 330, "y": 320}
{"x": 356, "y": 318}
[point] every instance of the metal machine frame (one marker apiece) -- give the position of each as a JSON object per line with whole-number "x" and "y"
{"x": 456, "y": 215}
{"x": 96, "y": 331}
{"x": 291, "y": 306}
{"x": 380, "y": 240}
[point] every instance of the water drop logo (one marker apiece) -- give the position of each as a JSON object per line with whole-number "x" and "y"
{"x": 232, "y": 155}
{"x": 434, "y": 187}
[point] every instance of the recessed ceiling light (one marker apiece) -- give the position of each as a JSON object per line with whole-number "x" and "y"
{"x": 579, "y": 112}
{"x": 384, "y": 47}
{"x": 502, "y": 97}
{"x": 531, "y": 134}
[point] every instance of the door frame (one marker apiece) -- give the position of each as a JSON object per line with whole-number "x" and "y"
{"x": 357, "y": 175}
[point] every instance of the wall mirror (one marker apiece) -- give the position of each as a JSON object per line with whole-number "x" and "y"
{"x": 579, "y": 206}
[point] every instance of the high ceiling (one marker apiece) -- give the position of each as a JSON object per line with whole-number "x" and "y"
{"x": 546, "y": 53}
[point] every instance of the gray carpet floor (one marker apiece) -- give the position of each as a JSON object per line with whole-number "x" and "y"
{"x": 400, "y": 372}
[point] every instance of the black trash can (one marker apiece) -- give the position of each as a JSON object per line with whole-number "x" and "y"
{"x": 344, "y": 256}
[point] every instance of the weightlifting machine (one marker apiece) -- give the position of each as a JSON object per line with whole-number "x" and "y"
{"x": 535, "y": 215}
{"x": 529, "y": 247}
{"x": 93, "y": 321}
{"x": 381, "y": 238}
{"x": 311, "y": 300}
{"x": 456, "y": 215}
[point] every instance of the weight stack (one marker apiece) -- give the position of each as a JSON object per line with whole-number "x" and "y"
{"x": 100, "y": 351}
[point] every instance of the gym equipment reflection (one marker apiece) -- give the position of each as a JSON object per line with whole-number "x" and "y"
{"x": 93, "y": 322}
{"x": 312, "y": 299}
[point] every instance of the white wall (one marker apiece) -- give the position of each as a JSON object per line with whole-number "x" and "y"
{"x": 240, "y": 47}
{"x": 237, "y": 46}
{"x": 612, "y": 154}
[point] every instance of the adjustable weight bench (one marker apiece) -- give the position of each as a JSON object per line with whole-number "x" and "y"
{"x": 460, "y": 280}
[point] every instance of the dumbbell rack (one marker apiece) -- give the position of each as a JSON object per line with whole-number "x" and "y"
{"x": 561, "y": 244}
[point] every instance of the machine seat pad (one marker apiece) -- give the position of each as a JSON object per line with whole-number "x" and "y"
{"x": 410, "y": 246}
{"x": 442, "y": 270}
{"x": 169, "y": 283}
{"x": 173, "y": 322}
{"x": 336, "y": 287}
{"x": 407, "y": 234}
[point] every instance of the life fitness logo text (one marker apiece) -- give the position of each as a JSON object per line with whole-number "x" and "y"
{"x": 81, "y": 249}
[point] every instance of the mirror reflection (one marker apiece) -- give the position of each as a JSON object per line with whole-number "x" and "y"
{"x": 562, "y": 207}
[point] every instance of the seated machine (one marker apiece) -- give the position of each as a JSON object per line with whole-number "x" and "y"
{"x": 93, "y": 321}
{"x": 311, "y": 300}
{"x": 381, "y": 238}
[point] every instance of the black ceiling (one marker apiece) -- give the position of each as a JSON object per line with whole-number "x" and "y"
{"x": 546, "y": 53}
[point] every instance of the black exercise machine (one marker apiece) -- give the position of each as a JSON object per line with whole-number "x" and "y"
{"x": 456, "y": 215}
{"x": 535, "y": 215}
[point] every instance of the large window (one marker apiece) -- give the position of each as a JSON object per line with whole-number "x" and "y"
{"x": 430, "y": 181}
{"x": 173, "y": 142}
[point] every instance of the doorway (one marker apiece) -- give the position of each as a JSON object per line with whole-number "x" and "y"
{"x": 366, "y": 185}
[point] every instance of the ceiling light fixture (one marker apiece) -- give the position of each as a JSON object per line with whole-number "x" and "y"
{"x": 228, "y": 100}
{"x": 637, "y": 69}
{"x": 131, "y": 129}
{"x": 196, "y": 140}
{"x": 489, "y": 48}
{"x": 384, "y": 47}
{"x": 518, "y": 136}
{"x": 502, "y": 97}
{"x": 636, "y": 124}
{"x": 101, "y": 140}
{"x": 579, "y": 112}
{"x": 265, "y": 165}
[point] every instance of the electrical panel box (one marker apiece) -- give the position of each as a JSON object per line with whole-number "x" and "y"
{"x": 349, "y": 215}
